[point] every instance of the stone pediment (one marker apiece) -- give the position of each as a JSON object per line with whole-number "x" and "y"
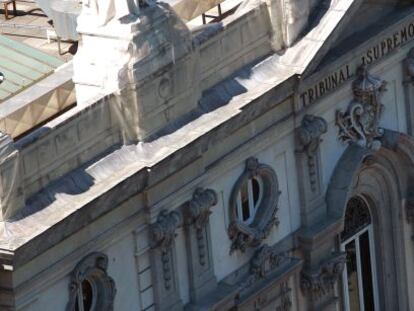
{"x": 337, "y": 26}
{"x": 353, "y": 41}
{"x": 362, "y": 21}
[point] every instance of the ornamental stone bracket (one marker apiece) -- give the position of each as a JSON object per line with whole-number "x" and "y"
{"x": 197, "y": 214}
{"x": 241, "y": 234}
{"x": 360, "y": 123}
{"x": 308, "y": 162}
{"x": 198, "y": 240}
{"x": 321, "y": 281}
{"x": 163, "y": 233}
{"x": 309, "y": 138}
{"x": 93, "y": 269}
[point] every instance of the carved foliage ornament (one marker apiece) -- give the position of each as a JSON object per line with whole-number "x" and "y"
{"x": 197, "y": 213}
{"x": 265, "y": 261}
{"x": 321, "y": 281}
{"x": 92, "y": 269}
{"x": 309, "y": 136}
{"x": 241, "y": 234}
{"x": 359, "y": 124}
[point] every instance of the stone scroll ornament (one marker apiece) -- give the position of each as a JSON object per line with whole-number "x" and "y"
{"x": 309, "y": 135}
{"x": 321, "y": 281}
{"x": 93, "y": 269}
{"x": 360, "y": 123}
{"x": 243, "y": 235}
{"x": 197, "y": 213}
{"x": 163, "y": 235}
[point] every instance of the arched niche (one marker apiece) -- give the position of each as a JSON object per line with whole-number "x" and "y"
{"x": 384, "y": 179}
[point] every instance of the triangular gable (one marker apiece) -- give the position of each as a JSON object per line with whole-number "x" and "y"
{"x": 348, "y": 20}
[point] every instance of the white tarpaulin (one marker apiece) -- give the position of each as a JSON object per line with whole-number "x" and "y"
{"x": 189, "y": 9}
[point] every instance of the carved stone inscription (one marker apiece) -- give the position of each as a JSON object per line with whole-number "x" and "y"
{"x": 373, "y": 54}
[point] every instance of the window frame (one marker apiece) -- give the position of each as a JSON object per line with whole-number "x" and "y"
{"x": 252, "y": 231}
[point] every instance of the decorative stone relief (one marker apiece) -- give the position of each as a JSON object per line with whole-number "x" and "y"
{"x": 360, "y": 123}
{"x": 320, "y": 282}
{"x": 163, "y": 234}
{"x": 198, "y": 213}
{"x": 409, "y": 66}
{"x": 265, "y": 261}
{"x": 309, "y": 135}
{"x": 241, "y": 234}
{"x": 285, "y": 303}
{"x": 92, "y": 269}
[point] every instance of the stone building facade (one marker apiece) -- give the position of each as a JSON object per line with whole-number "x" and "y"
{"x": 255, "y": 164}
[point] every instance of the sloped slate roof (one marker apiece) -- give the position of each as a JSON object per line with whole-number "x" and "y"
{"x": 22, "y": 66}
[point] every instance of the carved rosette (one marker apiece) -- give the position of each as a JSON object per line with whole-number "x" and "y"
{"x": 360, "y": 123}
{"x": 242, "y": 235}
{"x": 198, "y": 212}
{"x": 93, "y": 268}
{"x": 322, "y": 281}
{"x": 163, "y": 235}
{"x": 309, "y": 136}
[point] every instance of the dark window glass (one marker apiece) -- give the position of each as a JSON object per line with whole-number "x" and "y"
{"x": 245, "y": 202}
{"x": 87, "y": 294}
{"x": 351, "y": 268}
{"x": 256, "y": 191}
{"x": 366, "y": 271}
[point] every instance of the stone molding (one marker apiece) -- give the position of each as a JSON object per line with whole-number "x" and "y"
{"x": 309, "y": 136}
{"x": 94, "y": 269}
{"x": 242, "y": 235}
{"x": 321, "y": 281}
{"x": 197, "y": 213}
{"x": 163, "y": 233}
{"x": 360, "y": 123}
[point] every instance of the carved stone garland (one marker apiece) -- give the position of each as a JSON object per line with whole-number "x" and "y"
{"x": 320, "y": 282}
{"x": 93, "y": 269}
{"x": 197, "y": 213}
{"x": 242, "y": 235}
{"x": 163, "y": 234}
{"x": 359, "y": 124}
{"x": 309, "y": 135}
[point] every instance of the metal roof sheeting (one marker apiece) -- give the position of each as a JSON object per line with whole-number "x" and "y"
{"x": 22, "y": 66}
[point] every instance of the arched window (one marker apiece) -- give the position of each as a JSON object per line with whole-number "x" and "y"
{"x": 359, "y": 276}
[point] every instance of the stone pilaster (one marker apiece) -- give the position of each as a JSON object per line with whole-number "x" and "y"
{"x": 164, "y": 260}
{"x": 200, "y": 262}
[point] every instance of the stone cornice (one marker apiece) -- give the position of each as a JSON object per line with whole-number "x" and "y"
{"x": 141, "y": 180}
